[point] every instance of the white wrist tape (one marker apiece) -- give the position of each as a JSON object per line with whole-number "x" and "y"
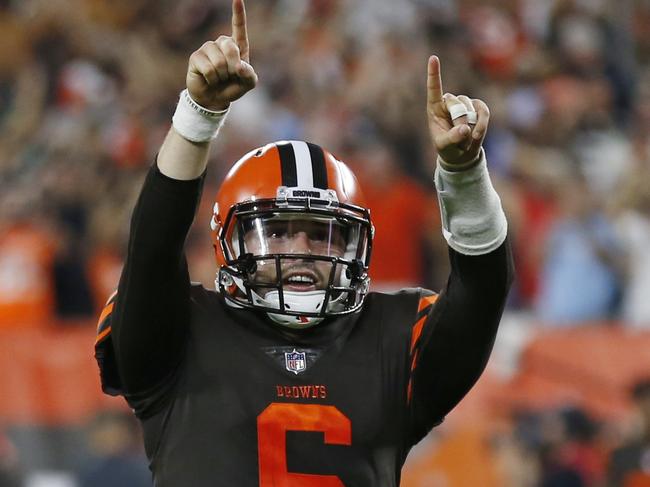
{"x": 473, "y": 222}
{"x": 195, "y": 123}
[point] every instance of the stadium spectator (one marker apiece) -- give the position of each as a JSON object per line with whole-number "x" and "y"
{"x": 633, "y": 227}
{"x": 401, "y": 230}
{"x": 579, "y": 280}
{"x": 26, "y": 265}
{"x": 533, "y": 206}
{"x": 116, "y": 459}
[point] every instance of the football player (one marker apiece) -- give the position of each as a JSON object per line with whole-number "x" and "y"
{"x": 291, "y": 373}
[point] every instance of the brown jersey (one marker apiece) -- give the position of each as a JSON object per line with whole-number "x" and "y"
{"x": 228, "y": 398}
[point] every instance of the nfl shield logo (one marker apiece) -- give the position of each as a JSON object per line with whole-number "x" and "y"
{"x": 295, "y": 361}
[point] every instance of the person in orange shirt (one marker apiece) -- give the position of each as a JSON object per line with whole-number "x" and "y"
{"x": 401, "y": 229}
{"x": 26, "y": 259}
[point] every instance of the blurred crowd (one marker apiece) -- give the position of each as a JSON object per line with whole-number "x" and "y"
{"x": 568, "y": 447}
{"x": 87, "y": 89}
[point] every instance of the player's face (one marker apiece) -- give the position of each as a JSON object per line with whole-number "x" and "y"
{"x": 296, "y": 235}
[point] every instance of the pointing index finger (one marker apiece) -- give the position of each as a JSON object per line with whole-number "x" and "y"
{"x": 434, "y": 82}
{"x": 239, "y": 32}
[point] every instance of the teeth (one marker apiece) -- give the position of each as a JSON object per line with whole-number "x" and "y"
{"x": 301, "y": 279}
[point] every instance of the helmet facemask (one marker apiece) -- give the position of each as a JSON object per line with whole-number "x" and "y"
{"x": 299, "y": 259}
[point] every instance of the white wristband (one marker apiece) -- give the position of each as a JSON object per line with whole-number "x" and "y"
{"x": 194, "y": 122}
{"x": 473, "y": 222}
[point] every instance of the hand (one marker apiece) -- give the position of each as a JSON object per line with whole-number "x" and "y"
{"x": 219, "y": 71}
{"x": 457, "y": 143}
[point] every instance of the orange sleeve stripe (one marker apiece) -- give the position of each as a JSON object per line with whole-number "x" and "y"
{"x": 105, "y": 312}
{"x": 102, "y": 335}
{"x": 424, "y": 303}
{"x": 414, "y": 361}
{"x": 417, "y": 331}
{"x": 427, "y": 301}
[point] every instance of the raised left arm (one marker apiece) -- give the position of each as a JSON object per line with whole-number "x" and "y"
{"x": 460, "y": 329}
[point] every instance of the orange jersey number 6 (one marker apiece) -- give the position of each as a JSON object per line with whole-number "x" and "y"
{"x": 272, "y": 427}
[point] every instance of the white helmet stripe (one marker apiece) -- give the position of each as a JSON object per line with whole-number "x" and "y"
{"x": 304, "y": 171}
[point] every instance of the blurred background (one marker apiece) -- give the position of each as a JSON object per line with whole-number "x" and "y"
{"x": 87, "y": 90}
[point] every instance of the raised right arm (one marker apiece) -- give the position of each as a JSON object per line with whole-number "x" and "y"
{"x": 148, "y": 322}
{"x": 218, "y": 74}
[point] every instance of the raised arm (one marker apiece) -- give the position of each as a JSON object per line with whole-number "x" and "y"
{"x": 219, "y": 72}
{"x": 458, "y": 334}
{"x": 142, "y": 334}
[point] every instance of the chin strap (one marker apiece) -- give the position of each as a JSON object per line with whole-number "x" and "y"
{"x": 295, "y": 322}
{"x": 310, "y": 301}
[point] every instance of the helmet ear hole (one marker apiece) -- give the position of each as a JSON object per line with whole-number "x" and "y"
{"x": 355, "y": 270}
{"x": 225, "y": 279}
{"x": 247, "y": 264}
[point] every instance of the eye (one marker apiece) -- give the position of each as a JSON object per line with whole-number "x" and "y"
{"x": 276, "y": 230}
{"x": 320, "y": 234}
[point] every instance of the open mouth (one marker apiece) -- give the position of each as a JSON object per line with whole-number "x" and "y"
{"x": 300, "y": 281}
